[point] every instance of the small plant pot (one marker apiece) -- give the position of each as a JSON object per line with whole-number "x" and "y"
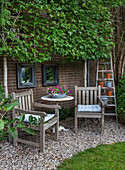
{"x": 109, "y": 83}
{"x": 108, "y": 76}
{"x": 101, "y": 84}
{"x": 105, "y": 100}
{"x": 109, "y": 93}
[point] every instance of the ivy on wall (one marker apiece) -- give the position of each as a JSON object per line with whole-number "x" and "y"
{"x": 78, "y": 29}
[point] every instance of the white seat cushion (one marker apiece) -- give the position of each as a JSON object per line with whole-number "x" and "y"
{"x": 48, "y": 117}
{"x": 89, "y": 108}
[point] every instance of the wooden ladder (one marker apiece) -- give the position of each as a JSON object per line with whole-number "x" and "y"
{"x": 102, "y": 67}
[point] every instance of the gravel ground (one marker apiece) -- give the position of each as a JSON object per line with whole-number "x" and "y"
{"x": 26, "y": 157}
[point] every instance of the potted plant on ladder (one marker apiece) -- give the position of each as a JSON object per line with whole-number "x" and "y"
{"x": 108, "y": 74}
{"x": 109, "y": 91}
{"x": 101, "y": 82}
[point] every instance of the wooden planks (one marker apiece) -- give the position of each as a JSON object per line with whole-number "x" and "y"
{"x": 26, "y": 104}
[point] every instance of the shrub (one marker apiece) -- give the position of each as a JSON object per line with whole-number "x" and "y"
{"x": 7, "y": 105}
{"x": 120, "y": 97}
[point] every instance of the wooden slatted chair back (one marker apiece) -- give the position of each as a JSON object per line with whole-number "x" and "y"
{"x": 25, "y": 100}
{"x": 87, "y": 95}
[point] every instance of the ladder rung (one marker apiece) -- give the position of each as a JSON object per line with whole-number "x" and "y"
{"x": 110, "y": 114}
{"x": 106, "y": 96}
{"x": 104, "y": 70}
{"x": 111, "y": 105}
{"x": 105, "y": 79}
{"x": 106, "y": 87}
{"x": 104, "y": 63}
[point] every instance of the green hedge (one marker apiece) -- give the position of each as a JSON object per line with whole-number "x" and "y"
{"x": 120, "y": 97}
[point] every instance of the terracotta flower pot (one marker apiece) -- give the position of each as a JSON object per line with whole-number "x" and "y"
{"x": 109, "y": 93}
{"x": 101, "y": 83}
{"x": 108, "y": 76}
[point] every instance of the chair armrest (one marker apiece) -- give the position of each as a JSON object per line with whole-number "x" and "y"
{"x": 46, "y": 106}
{"x": 102, "y": 103}
{"x": 31, "y": 112}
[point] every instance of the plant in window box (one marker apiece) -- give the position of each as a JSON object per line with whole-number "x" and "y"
{"x": 108, "y": 74}
{"x": 58, "y": 92}
{"x": 109, "y": 91}
{"x": 101, "y": 82}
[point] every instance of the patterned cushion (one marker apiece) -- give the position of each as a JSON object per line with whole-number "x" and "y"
{"x": 89, "y": 108}
{"x": 48, "y": 117}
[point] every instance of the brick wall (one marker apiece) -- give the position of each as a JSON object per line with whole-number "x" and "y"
{"x": 70, "y": 74}
{"x": 93, "y": 69}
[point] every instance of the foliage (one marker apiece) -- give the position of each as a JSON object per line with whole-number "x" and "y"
{"x": 109, "y": 89}
{"x": 102, "y": 157}
{"x": 64, "y": 113}
{"x": 120, "y": 96}
{"x": 59, "y": 90}
{"x": 78, "y": 29}
{"x": 7, "y": 105}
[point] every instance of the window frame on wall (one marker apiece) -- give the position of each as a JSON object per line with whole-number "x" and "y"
{"x": 55, "y": 75}
{"x": 31, "y": 84}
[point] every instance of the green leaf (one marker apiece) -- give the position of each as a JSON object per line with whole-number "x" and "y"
{"x": 29, "y": 130}
{"x": 1, "y": 93}
{"x": 13, "y": 132}
{"x": 1, "y": 124}
{"x": 11, "y": 106}
{"x": 22, "y": 117}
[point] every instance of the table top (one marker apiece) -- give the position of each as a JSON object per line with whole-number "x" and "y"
{"x": 49, "y": 98}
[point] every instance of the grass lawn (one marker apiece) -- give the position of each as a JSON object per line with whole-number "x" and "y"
{"x": 102, "y": 157}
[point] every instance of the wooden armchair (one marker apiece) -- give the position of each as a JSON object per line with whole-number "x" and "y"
{"x": 27, "y": 106}
{"x": 88, "y": 104}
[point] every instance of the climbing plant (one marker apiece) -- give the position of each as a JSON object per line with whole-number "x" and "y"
{"x": 78, "y": 29}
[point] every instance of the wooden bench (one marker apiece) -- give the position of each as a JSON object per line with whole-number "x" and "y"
{"x": 88, "y": 104}
{"x": 27, "y": 105}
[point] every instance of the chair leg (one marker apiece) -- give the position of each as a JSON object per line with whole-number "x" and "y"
{"x": 15, "y": 143}
{"x": 57, "y": 131}
{"x": 76, "y": 121}
{"x": 102, "y": 127}
{"x": 42, "y": 138}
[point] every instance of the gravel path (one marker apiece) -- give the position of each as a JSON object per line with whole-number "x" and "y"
{"x": 26, "y": 157}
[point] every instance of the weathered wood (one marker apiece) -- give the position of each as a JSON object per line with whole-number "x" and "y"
{"x": 23, "y": 103}
{"x": 79, "y": 96}
{"x": 46, "y": 106}
{"x": 75, "y": 95}
{"x": 29, "y": 102}
{"x": 88, "y": 93}
{"x": 57, "y": 125}
{"x": 83, "y": 97}
{"x": 42, "y": 136}
{"x": 20, "y": 102}
{"x": 26, "y": 102}
{"x": 95, "y": 97}
{"x": 76, "y": 120}
{"x": 23, "y": 94}
{"x": 86, "y": 88}
{"x": 28, "y": 142}
{"x": 27, "y": 105}
{"x": 50, "y": 123}
{"x": 91, "y": 96}
{"x": 87, "y": 97}
{"x": 31, "y": 112}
